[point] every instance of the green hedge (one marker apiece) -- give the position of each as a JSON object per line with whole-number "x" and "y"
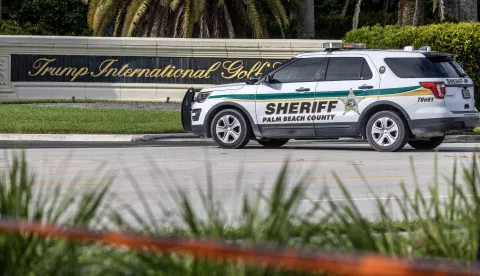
{"x": 462, "y": 39}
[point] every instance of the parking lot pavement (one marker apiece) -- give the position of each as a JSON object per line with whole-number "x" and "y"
{"x": 161, "y": 167}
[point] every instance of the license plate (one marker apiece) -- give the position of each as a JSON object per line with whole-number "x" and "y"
{"x": 466, "y": 93}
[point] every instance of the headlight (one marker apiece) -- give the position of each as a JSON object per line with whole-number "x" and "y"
{"x": 202, "y": 96}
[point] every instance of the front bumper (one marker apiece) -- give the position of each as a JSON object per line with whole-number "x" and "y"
{"x": 199, "y": 130}
{"x": 440, "y": 126}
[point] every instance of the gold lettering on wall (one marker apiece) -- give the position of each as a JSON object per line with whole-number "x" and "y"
{"x": 229, "y": 69}
{"x": 42, "y": 68}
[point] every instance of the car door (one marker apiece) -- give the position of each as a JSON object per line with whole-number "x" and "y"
{"x": 285, "y": 99}
{"x": 351, "y": 83}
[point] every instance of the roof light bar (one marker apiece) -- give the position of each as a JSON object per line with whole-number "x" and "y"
{"x": 339, "y": 45}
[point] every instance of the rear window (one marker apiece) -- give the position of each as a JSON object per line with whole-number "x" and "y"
{"x": 419, "y": 67}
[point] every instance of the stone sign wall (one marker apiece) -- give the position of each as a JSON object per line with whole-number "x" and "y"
{"x": 133, "y": 68}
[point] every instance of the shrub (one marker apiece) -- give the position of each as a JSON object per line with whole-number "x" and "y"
{"x": 461, "y": 39}
{"x": 426, "y": 225}
{"x": 12, "y": 27}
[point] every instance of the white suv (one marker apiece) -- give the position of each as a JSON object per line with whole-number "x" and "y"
{"x": 388, "y": 97}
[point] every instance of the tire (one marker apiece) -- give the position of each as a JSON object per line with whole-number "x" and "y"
{"x": 272, "y": 143}
{"x": 386, "y": 132}
{"x": 429, "y": 144}
{"x": 234, "y": 131}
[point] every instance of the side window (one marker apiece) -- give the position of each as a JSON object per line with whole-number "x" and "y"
{"x": 423, "y": 67}
{"x": 348, "y": 68}
{"x": 301, "y": 70}
{"x": 366, "y": 72}
{"x": 410, "y": 67}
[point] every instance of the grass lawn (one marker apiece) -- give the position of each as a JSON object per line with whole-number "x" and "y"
{"x": 39, "y": 119}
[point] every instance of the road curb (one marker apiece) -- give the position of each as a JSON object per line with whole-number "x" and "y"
{"x": 462, "y": 139}
{"x": 67, "y": 137}
{"x": 94, "y": 137}
{"x": 448, "y": 139}
{"x": 150, "y": 137}
{"x": 153, "y": 137}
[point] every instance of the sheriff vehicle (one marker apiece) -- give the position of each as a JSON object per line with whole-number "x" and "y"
{"x": 387, "y": 97}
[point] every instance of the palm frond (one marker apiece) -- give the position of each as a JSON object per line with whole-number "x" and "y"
{"x": 187, "y": 18}
{"x": 135, "y": 12}
{"x": 254, "y": 18}
{"x": 92, "y": 8}
{"x": 105, "y": 15}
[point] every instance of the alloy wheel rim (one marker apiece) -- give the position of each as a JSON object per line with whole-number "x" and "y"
{"x": 385, "y": 131}
{"x": 228, "y": 129}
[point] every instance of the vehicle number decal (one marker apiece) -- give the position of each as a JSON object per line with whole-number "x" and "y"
{"x": 456, "y": 81}
{"x": 425, "y": 99}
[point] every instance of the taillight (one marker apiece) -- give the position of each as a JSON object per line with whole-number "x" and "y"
{"x": 438, "y": 88}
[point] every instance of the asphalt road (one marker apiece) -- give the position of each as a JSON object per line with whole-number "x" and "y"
{"x": 151, "y": 171}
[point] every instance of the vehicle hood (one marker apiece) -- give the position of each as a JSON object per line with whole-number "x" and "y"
{"x": 224, "y": 87}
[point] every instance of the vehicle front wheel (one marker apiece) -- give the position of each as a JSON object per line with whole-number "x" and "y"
{"x": 230, "y": 129}
{"x": 272, "y": 143}
{"x": 386, "y": 132}
{"x": 428, "y": 144}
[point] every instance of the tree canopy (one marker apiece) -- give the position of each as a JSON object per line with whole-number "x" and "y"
{"x": 188, "y": 18}
{"x": 44, "y": 17}
{"x": 223, "y": 18}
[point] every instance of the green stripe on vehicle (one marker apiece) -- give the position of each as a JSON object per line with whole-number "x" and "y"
{"x": 319, "y": 94}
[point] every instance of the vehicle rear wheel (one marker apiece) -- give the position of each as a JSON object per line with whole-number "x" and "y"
{"x": 272, "y": 143}
{"x": 386, "y": 132}
{"x": 428, "y": 144}
{"x": 230, "y": 129}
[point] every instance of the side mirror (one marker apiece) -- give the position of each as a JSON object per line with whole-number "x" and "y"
{"x": 252, "y": 80}
{"x": 268, "y": 79}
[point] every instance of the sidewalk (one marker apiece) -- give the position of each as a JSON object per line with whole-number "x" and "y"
{"x": 153, "y": 137}
{"x": 92, "y": 137}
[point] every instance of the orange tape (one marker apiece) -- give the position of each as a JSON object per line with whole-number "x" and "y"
{"x": 282, "y": 258}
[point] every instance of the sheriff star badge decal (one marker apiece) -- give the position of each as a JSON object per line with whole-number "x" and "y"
{"x": 351, "y": 102}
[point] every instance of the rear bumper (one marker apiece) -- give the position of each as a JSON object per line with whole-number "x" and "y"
{"x": 440, "y": 126}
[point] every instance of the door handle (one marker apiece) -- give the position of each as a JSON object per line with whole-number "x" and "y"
{"x": 365, "y": 86}
{"x": 303, "y": 89}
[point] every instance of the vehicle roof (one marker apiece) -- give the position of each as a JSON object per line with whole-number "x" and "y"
{"x": 376, "y": 52}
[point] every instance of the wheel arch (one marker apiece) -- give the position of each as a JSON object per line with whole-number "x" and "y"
{"x": 381, "y": 106}
{"x": 228, "y": 105}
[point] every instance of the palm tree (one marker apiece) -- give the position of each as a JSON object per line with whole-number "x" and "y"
{"x": 306, "y": 19}
{"x": 356, "y": 16}
{"x": 461, "y": 10}
{"x": 411, "y": 12}
{"x": 185, "y": 18}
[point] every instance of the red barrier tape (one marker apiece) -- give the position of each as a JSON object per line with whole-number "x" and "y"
{"x": 283, "y": 258}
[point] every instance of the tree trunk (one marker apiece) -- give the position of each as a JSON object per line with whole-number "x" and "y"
{"x": 411, "y": 12}
{"x": 441, "y": 10}
{"x": 452, "y": 9}
{"x": 461, "y": 10}
{"x": 386, "y": 3}
{"x": 306, "y": 20}
{"x": 475, "y": 11}
{"x": 356, "y": 15}
{"x": 469, "y": 10}
{"x": 345, "y": 8}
